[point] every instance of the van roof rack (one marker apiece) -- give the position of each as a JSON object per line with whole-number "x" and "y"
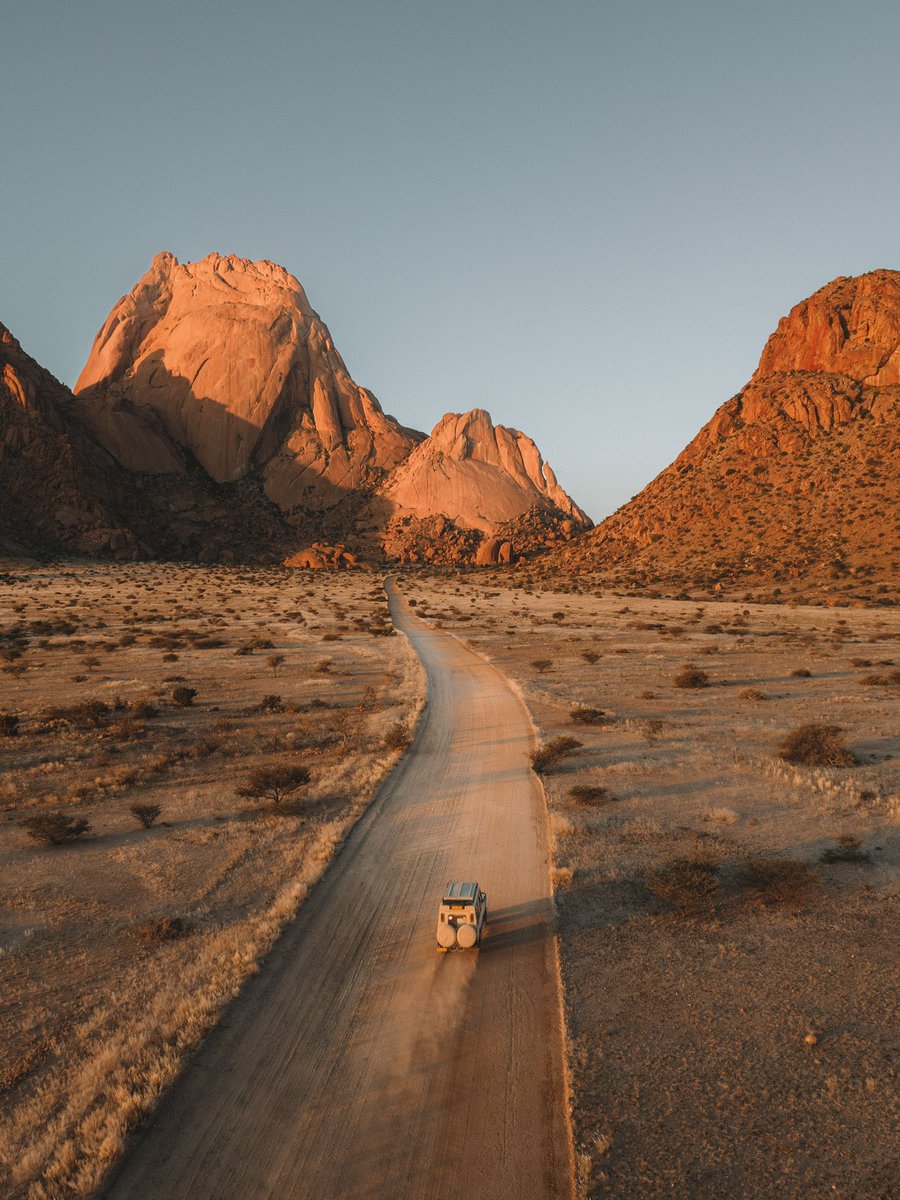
{"x": 461, "y": 891}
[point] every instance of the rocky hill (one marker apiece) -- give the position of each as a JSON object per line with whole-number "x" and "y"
{"x": 63, "y": 492}
{"x": 223, "y": 367}
{"x": 475, "y": 478}
{"x": 55, "y": 487}
{"x": 477, "y": 474}
{"x": 792, "y": 487}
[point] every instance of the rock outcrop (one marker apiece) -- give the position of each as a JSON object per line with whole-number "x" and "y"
{"x": 225, "y": 360}
{"x": 63, "y": 492}
{"x": 478, "y": 475}
{"x": 57, "y": 486}
{"x": 849, "y": 327}
{"x": 792, "y": 486}
{"x": 321, "y": 556}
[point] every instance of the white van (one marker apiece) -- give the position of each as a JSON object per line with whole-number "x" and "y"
{"x": 462, "y": 917}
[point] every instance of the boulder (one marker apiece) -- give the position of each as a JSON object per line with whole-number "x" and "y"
{"x": 488, "y": 552}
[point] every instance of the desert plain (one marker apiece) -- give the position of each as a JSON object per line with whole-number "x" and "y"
{"x": 119, "y": 949}
{"x": 724, "y": 917}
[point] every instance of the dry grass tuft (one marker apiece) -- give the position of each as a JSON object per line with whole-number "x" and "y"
{"x": 397, "y": 737}
{"x": 165, "y": 929}
{"x": 847, "y": 850}
{"x": 722, "y": 816}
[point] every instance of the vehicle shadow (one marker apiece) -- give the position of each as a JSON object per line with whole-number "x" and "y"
{"x": 517, "y": 925}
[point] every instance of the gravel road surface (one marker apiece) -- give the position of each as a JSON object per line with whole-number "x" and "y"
{"x": 362, "y": 1063}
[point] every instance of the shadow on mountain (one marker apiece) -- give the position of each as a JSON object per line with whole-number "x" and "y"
{"x": 184, "y": 505}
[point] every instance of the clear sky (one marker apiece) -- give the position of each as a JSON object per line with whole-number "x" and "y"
{"x": 584, "y": 217}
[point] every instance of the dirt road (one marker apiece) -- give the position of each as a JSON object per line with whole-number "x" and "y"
{"x": 362, "y": 1063}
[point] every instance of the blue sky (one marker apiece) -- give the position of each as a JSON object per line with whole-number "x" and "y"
{"x": 584, "y": 217}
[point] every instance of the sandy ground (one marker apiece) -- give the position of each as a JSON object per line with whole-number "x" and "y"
{"x": 98, "y": 1003}
{"x": 743, "y": 1045}
{"x": 362, "y": 1063}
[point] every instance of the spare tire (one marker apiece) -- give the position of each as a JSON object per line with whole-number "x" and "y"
{"x": 467, "y": 936}
{"x": 446, "y": 936}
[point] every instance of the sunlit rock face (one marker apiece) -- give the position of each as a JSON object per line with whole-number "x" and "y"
{"x": 477, "y": 474}
{"x": 849, "y": 327}
{"x": 222, "y": 364}
{"x": 793, "y": 479}
{"x": 232, "y": 361}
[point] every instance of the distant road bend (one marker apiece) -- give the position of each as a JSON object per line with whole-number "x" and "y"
{"x": 360, "y": 1063}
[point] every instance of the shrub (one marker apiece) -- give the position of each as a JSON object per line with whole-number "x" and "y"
{"x": 397, "y": 737}
{"x": 888, "y": 679}
{"x": 816, "y": 745}
{"x": 591, "y": 793}
{"x": 542, "y": 664}
{"x": 143, "y": 710}
{"x": 801, "y": 673}
{"x": 145, "y": 813}
{"x": 691, "y": 677}
{"x": 777, "y": 880}
{"x": 56, "y": 828}
{"x": 183, "y": 697}
{"x": 127, "y": 730}
{"x": 590, "y": 656}
{"x": 274, "y": 783}
{"x": 848, "y": 850}
{"x": 685, "y": 882}
{"x": 271, "y": 703}
{"x": 753, "y": 694}
{"x": 9, "y": 725}
{"x": 653, "y": 730}
{"x": 164, "y": 929}
{"x": 255, "y": 644}
{"x": 94, "y": 712}
{"x": 588, "y": 716}
{"x": 545, "y": 757}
